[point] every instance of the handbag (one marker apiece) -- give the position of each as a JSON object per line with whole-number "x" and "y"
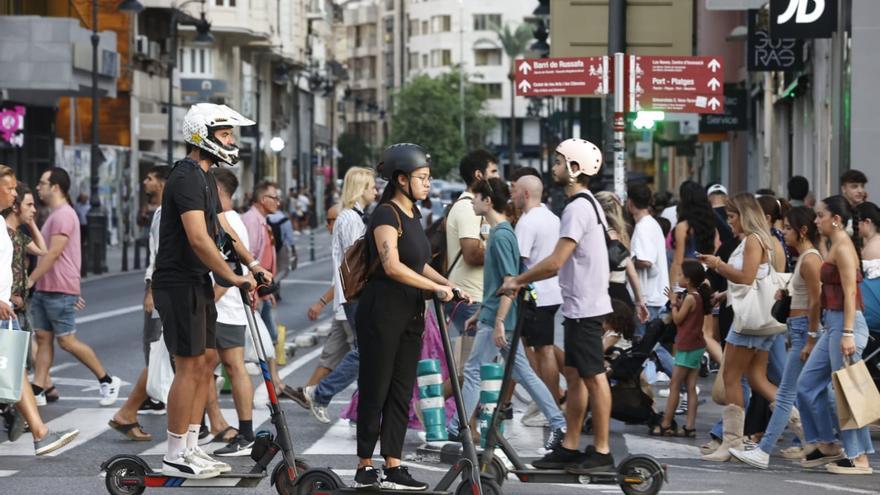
{"x": 356, "y": 266}
{"x": 159, "y": 371}
{"x": 617, "y": 252}
{"x": 13, "y": 355}
{"x": 858, "y": 401}
{"x": 753, "y": 304}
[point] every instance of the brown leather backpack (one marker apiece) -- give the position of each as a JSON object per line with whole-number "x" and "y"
{"x": 356, "y": 266}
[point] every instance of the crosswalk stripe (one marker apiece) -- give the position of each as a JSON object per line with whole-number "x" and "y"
{"x": 337, "y": 440}
{"x": 90, "y": 422}
{"x": 5, "y": 473}
{"x": 109, "y": 314}
{"x": 660, "y": 448}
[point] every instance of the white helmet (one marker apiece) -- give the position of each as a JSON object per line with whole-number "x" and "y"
{"x": 586, "y": 154}
{"x": 203, "y": 119}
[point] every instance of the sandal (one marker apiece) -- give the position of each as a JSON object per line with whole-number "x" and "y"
{"x": 664, "y": 431}
{"x": 686, "y": 432}
{"x": 52, "y": 394}
{"x": 132, "y": 431}
{"x": 222, "y": 438}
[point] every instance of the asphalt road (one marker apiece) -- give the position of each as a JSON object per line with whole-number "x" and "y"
{"x": 111, "y": 324}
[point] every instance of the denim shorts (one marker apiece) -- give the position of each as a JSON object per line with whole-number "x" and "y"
{"x": 54, "y": 312}
{"x": 756, "y": 342}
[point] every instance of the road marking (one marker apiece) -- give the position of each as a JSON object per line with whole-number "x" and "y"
{"x": 62, "y": 366}
{"x": 109, "y": 314}
{"x": 660, "y": 448}
{"x": 694, "y": 468}
{"x": 6, "y": 473}
{"x": 339, "y": 439}
{"x": 90, "y": 422}
{"x": 830, "y": 487}
{"x": 301, "y": 281}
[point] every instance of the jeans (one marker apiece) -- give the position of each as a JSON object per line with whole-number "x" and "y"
{"x": 346, "y": 372}
{"x": 483, "y": 351}
{"x": 663, "y": 356}
{"x": 787, "y": 392}
{"x": 818, "y": 413}
{"x": 268, "y": 316}
{"x": 457, "y": 314}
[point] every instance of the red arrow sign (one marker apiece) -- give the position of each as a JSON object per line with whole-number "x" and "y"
{"x": 570, "y": 76}
{"x": 681, "y": 103}
{"x": 689, "y": 75}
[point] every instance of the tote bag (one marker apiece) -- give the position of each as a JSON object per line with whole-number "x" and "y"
{"x": 250, "y": 349}
{"x": 13, "y": 354}
{"x": 753, "y": 304}
{"x": 858, "y": 401}
{"x": 159, "y": 371}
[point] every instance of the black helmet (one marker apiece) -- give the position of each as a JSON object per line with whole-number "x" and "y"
{"x": 403, "y": 158}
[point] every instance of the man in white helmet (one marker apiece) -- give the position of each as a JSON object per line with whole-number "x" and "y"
{"x": 581, "y": 260}
{"x": 191, "y": 233}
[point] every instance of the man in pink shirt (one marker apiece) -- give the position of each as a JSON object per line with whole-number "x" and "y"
{"x": 57, "y": 278}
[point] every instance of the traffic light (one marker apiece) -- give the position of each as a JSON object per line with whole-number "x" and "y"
{"x": 645, "y": 119}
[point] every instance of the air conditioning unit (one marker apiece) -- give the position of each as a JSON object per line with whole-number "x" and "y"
{"x": 142, "y": 45}
{"x": 155, "y": 50}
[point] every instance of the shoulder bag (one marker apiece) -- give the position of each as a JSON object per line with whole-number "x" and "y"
{"x": 753, "y": 304}
{"x": 617, "y": 252}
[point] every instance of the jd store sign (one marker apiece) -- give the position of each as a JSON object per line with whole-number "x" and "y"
{"x": 803, "y": 19}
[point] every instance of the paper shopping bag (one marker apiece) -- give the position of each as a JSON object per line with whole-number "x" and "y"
{"x": 13, "y": 355}
{"x": 858, "y": 401}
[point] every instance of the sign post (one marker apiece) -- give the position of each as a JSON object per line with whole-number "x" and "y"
{"x": 619, "y": 127}
{"x": 575, "y": 76}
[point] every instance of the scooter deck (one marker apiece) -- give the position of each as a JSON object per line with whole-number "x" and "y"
{"x": 348, "y": 489}
{"x": 563, "y": 476}
{"x": 242, "y": 480}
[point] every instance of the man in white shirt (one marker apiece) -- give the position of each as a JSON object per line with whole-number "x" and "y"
{"x": 648, "y": 247}
{"x": 536, "y": 233}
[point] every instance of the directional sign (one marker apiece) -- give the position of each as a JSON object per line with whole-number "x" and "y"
{"x": 688, "y": 75}
{"x": 681, "y": 103}
{"x": 576, "y": 76}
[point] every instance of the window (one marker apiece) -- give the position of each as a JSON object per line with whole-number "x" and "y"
{"x": 425, "y": 29}
{"x": 413, "y": 28}
{"x": 425, "y": 60}
{"x": 487, "y": 56}
{"x": 487, "y": 22}
{"x": 413, "y": 61}
{"x": 441, "y": 24}
{"x": 195, "y": 62}
{"x": 224, "y": 3}
{"x": 493, "y": 90}
{"x": 441, "y": 58}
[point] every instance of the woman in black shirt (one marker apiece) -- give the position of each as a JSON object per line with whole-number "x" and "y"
{"x": 390, "y": 315}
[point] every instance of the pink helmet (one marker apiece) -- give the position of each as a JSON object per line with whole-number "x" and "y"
{"x": 586, "y": 154}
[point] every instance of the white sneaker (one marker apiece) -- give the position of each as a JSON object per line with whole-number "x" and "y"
{"x": 40, "y": 399}
{"x": 187, "y": 465}
{"x": 110, "y": 392}
{"x": 755, "y": 457}
{"x": 663, "y": 392}
{"x": 318, "y": 411}
{"x": 534, "y": 418}
{"x": 220, "y": 466}
{"x": 662, "y": 377}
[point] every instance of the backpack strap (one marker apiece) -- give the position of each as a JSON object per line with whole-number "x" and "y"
{"x": 397, "y": 216}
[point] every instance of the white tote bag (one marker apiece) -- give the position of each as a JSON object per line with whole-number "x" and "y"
{"x": 250, "y": 351}
{"x": 752, "y": 304}
{"x": 159, "y": 372}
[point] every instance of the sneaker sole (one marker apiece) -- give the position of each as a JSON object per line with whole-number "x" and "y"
{"x": 593, "y": 470}
{"x": 387, "y": 485}
{"x": 750, "y": 462}
{"x": 237, "y": 453}
{"x": 152, "y": 412}
{"x": 822, "y": 461}
{"x": 61, "y": 442}
{"x": 173, "y": 471}
{"x": 835, "y": 469}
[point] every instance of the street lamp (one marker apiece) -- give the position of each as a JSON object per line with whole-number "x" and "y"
{"x": 133, "y": 6}
{"x": 203, "y": 36}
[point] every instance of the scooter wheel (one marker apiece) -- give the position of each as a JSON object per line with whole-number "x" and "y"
{"x": 312, "y": 483}
{"x": 489, "y": 487}
{"x": 282, "y": 481}
{"x": 496, "y": 471}
{"x": 125, "y": 477}
{"x": 640, "y": 476}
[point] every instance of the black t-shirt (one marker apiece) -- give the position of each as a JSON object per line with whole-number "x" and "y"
{"x": 724, "y": 232}
{"x": 188, "y": 188}
{"x": 413, "y": 247}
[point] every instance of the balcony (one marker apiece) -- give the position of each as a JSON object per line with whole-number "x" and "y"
{"x": 45, "y": 58}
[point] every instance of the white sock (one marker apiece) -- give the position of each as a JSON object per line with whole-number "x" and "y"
{"x": 192, "y": 436}
{"x": 176, "y": 445}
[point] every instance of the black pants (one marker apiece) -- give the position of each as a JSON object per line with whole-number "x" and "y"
{"x": 390, "y": 321}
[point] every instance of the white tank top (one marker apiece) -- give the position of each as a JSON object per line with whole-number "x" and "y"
{"x": 736, "y": 259}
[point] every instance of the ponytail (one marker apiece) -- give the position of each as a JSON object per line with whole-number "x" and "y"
{"x": 696, "y": 274}
{"x": 706, "y": 294}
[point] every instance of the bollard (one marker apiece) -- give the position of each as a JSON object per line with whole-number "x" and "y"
{"x": 431, "y": 400}
{"x": 280, "y": 353}
{"x": 490, "y": 393}
{"x": 312, "y": 245}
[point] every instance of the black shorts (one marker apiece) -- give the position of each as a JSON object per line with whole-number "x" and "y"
{"x": 188, "y": 318}
{"x": 583, "y": 345}
{"x": 539, "y": 324}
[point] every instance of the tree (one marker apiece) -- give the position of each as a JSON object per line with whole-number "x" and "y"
{"x": 514, "y": 43}
{"x": 427, "y": 111}
{"x": 354, "y": 151}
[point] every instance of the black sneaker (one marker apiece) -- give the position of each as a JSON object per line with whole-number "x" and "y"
{"x": 506, "y": 412}
{"x": 239, "y": 446}
{"x": 593, "y": 463}
{"x": 559, "y": 458}
{"x": 554, "y": 440}
{"x": 153, "y": 407}
{"x": 398, "y": 478}
{"x": 456, "y": 437}
{"x": 204, "y": 435}
{"x": 366, "y": 477}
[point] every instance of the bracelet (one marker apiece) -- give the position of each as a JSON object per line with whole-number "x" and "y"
{"x": 323, "y": 301}
{"x": 814, "y": 335}
{"x": 253, "y": 263}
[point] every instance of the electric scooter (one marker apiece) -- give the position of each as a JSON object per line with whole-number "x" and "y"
{"x": 324, "y": 481}
{"x": 637, "y": 474}
{"x": 129, "y": 474}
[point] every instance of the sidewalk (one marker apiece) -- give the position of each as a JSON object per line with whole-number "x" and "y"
{"x": 303, "y": 242}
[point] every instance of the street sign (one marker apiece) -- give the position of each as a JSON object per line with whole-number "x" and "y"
{"x": 803, "y": 19}
{"x": 771, "y": 54}
{"x": 735, "y": 113}
{"x": 681, "y": 103}
{"x": 688, "y": 75}
{"x": 575, "y": 76}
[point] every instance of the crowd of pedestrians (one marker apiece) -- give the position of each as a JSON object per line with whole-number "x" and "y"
{"x": 621, "y": 271}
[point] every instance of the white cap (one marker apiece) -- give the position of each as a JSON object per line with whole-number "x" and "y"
{"x": 716, "y": 189}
